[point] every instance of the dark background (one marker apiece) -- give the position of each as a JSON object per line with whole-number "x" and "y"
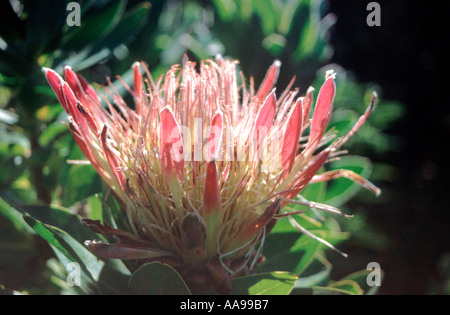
{"x": 408, "y": 57}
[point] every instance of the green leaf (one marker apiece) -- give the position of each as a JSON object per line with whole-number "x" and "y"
{"x": 317, "y": 274}
{"x": 342, "y": 189}
{"x": 330, "y": 291}
{"x": 94, "y": 25}
{"x": 226, "y": 9}
{"x": 281, "y": 227}
{"x": 360, "y": 277}
{"x": 95, "y": 208}
{"x": 347, "y": 287}
{"x": 309, "y": 35}
{"x": 274, "y": 43}
{"x": 114, "y": 278}
{"x": 294, "y": 260}
{"x": 71, "y": 250}
{"x": 287, "y": 14}
{"x": 49, "y": 235}
{"x": 315, "y": 192}
{"x": 353, "y": 284}
{"x": 269, "y": 15}
{"x": 156, "y": 278}
{"x": 343, "y": 120}
{"x": 13, "y": 215}
{"x": 332, "y": 236}
{"x": 51, "y": 133}
{"x": 80, "y": 182}
{"x": 112, "y": 212}
{"x": 128, "y": 26}
{"x": 274, "y": 283}
{"x": 277, "y": 243}
{"x": 58, "y": 217}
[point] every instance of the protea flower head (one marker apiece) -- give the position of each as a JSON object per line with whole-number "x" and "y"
{"x": 202, "y": 166}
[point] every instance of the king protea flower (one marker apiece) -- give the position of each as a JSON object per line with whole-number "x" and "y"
{"x": 201, "y": 165}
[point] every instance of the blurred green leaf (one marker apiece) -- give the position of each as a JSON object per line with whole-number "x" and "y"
{"x": 343, "y": 120}
{"x": 294, "y": 260}
{"x": 360, "y": 278}
{"x": 273, "y": 283}
{"x": 316, "y": 274}
{"x": 269, "y": 14}
{"x": 128, "y": 26}
{"x": 70, "y": 248}
{"x": 50, "y": 235}
{"x": 287, "y": 15}
{"x": 114, "y": 278}
{"x": 95, "y": 208}
{"x": 274, "y": 43}
{"x": 341, "y": 190}
{"x": 13, "y": 147}
{"x": 347, "y": 287}
{"x": 94, "y": 25}
{"x": 84, "y": 59}
{"x": 51, "y": 133}
{"x": 386, "y": 113}
{"x": 112, "y": 212}
{"x": 156, "y": 278}
{"x": 225, "y": 8}
{"x": 315, "y": 191}
{"x": 353, "y": 284}
{"x": 14, "y": 216}
{"x": 278, "y": 242}
{"x": 80, "y": 182}
{"x": 309, "y": 33}
{"x": 60, "y": 218}
{"x": 332, "y": 236}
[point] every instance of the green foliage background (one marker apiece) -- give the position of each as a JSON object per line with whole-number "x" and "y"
{"x": 42, "y": 197}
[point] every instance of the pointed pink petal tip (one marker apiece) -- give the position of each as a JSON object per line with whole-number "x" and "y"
{"x": 269, "y": 80}
{"x": 215, "y": 136}
{"x": 53, "y": 78}
{"x": 292, "y": 136}
{"x": 172, "y": 160}
{"x": 322, "y": 113}
{"x": 69, "y": 73}
{"x": 267, "y": 111}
